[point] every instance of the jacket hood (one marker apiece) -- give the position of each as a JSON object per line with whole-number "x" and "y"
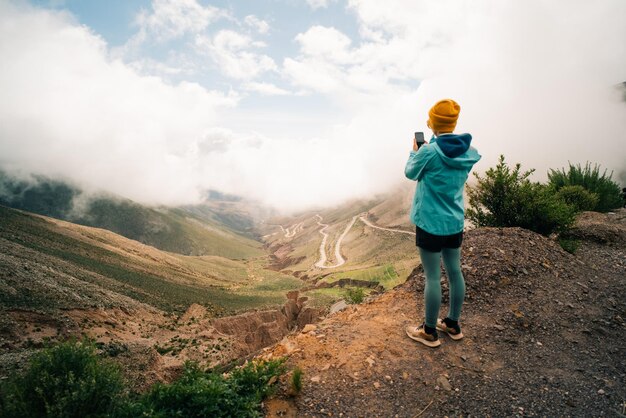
{"x": 454, "y": 145}
{"x": 455, "y": 150}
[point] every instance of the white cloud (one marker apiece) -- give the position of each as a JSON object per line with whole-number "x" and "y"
{"x": 235, "y": 54}
{"x": 167, "y": 21}
{"x": 68, "y": 110}
{"x": 329, "y": 64}
{"x": 319, "y": 4}
{"x": 534, "y": 80}
{"x": 326, "y": 43}
{"x": 531, "y": 80}
{"x": 172, "y": 18}
{"x": 267, "y": 89}
{"x": 159, "y": 68}
{"x": 530, "y": 77}
{"x": 257, "y": 24}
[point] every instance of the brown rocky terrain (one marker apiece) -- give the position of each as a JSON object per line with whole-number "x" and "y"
{"x": 544, "y": 336}
{"x": 60, "y": 280}
{"x": 544, "y": 328}
{"x": 603, "y": 228}
{"x": 153, "y": 345}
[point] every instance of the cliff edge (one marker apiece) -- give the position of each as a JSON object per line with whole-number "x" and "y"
{"x": 545, "y": 336}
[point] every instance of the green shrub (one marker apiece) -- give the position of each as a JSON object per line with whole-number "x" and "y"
{"x": 354, "y": 295}
{"x": 296, "y": 381}
{"x": 578, "y": 197}
{"x": 569, "y": 245}
{"x": 208, "y": 394}
{"x": 68, "y": 380}
{"x": 589, "y": 177}
{"x": 505, "y": 197}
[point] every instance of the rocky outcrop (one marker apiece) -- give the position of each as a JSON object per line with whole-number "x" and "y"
{"x": 348, "y": 282}
{"x": 603, "y": 228}
{"x": 280, "y": 259}
{"x": 255, "y": 330}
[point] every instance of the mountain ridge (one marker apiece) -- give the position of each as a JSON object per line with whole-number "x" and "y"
{"x": 216, "y": 227}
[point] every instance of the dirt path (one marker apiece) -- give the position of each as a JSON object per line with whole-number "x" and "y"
{"x": 294, "y": 230}
{"x": 323, "y": 259}
{"x": 545, "y": 336}
{"x": 371, "y": 225}
{"x": 321, "y": 263}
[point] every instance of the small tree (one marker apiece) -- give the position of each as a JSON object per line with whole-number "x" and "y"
{"x": 505, "y": 197}
{"x": 589, "y": 177}
{"x": 68, "y": 380}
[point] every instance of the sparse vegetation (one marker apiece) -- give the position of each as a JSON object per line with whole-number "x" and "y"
{"x": 589, "y": 177}
{"x": 505, "y": 197}
{"x": 388, "y": 275}
{"x": 569, "y": 245}
{"x": 354, "y": 295}
{"x": 295, "y": 383}
{"x": 68, "y": 380}
{"x": 72, "y": 380}
{"x": 200, "y": 393}
{"x": 202, "y": 230}
{"x": 158, "y": 284}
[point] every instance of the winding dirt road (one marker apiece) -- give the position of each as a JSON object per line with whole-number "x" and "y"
{"x": 371, "y": 225}
{"x": 340, "y": 260}
{"x": 321, "y": 263}
{"x": 288, "y": 232}
{"x": 292, "y": 230}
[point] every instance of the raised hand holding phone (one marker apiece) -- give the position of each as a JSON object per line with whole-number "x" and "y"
{"x": 418, "y": 140}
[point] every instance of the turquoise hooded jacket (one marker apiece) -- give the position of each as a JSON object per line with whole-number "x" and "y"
{"x": 441, "y": 169}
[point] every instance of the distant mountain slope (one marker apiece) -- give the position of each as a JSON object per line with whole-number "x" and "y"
{"x": 51, "y": 264}
{"x": 222, "y": 228}
{"x": 369, "y": 252}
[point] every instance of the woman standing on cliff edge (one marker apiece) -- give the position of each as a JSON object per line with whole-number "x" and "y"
{"x": 440, "y": 168}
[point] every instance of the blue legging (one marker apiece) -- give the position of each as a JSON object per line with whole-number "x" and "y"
{"x": 432, "y": 291}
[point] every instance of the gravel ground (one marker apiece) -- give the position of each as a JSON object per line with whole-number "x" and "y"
{"x": 545, "y": 336}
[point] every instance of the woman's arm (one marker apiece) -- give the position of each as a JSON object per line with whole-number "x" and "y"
{"x": 418, "y": 160}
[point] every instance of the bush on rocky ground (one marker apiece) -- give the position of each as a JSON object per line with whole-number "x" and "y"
{"x": 354, "y": 295}
{"x": 200, "y": 393}
{"x": 505, "y": 197}
{"x": 72, "y": 380}
{"x": 68, "y": 380}
{"x": 589, "y": 177}
{"x": 569, "y": 245}
{"x": 579, "y": 198}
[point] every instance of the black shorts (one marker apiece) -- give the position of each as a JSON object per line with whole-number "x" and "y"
{"x": 434, "y": 243}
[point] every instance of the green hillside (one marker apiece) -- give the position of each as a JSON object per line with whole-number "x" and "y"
{"x": 214, "y": 228}
{"x": 168, "y": 229}
{"x": 47, "y": 264}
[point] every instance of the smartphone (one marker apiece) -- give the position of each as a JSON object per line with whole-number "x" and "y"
{"x": 419, "y": 138}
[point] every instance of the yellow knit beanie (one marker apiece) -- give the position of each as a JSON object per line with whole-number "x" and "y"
{"x": 443, "y": 115}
